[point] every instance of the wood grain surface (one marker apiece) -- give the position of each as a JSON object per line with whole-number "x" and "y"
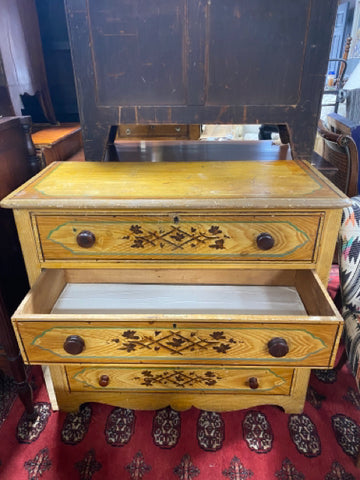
{"x": 169, "y": 378}
{"x": 243, "y": 184}
{"x": 179, "y": 236}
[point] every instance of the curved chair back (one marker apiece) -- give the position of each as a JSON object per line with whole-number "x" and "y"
{"x": 341, "y": 161}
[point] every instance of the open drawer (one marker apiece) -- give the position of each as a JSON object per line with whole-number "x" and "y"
{"x": 243, "y": 317}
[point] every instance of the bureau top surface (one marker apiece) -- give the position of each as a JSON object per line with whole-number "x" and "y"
{"x": 213, "y": 185}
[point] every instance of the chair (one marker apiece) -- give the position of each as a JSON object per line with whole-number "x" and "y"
{"x": 339, "y": 163}
{"x": 339, "y": 160}
{"x": 343, "y": 125}
{"x": 337, "y": 87}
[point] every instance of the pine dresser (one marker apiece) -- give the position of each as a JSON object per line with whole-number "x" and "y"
{"x": 184, "y": 284}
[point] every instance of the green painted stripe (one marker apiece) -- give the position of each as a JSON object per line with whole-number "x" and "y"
{"x": 187, "y": 389}
{"x": 104, "y": 254}
{"x": 148, "y": 358}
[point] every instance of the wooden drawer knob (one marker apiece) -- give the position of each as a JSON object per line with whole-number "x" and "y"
{"x": 253, "y": 383}
{"x": 265, "y": 241}
{"x": 104, "y": 381}
{"x": 85, "y": 239}
{"x": 278, "y": 347}
{"x": 74, "y": 344}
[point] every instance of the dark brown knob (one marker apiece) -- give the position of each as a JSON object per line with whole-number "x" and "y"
{"x": 104, "y": 381}
{"x": 253, "y": 383}
{"x": 278, "y": 347}
{"x": 265, "y": 241}
{"x": 176, "y": 220}
{"x": 74, "y": 345}
{"x": 85, "y": 239}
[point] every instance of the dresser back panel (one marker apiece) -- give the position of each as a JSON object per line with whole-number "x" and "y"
{"x": 186, "y": 62}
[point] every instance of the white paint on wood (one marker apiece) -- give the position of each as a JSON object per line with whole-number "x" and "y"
{"x": 50, "y": 388}
{"x": 187, "y": 299}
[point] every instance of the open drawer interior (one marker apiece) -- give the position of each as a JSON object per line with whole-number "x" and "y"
{"x": 243, "y": 292}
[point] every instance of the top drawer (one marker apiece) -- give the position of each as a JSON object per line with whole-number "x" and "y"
{"x": 270, "y": 236}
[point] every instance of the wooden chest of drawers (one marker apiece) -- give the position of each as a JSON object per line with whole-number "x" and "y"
{"x": 179, "y": 284}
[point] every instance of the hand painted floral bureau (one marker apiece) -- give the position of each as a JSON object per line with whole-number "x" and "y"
{"x": 184, "y": 284}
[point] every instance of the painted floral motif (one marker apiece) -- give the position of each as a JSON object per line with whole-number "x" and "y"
{"x": 304, "y": 434}
{"x": 210, "y": 431}
{"x": 88, "y": 466}
{"x": 314, "y": 398}
{"x": 76, "y": 425}
{"x": 120, "y": 427}
{"x": 166, "y": 428}
{"x": 257, "y": 432}
{"x": 178, "y": 378}
{"x": 353, "y": 397}
{"x": 29, "y": 428}
{"x": 137, "y": 468}
{"x": 38, "y": 465}
{"x": 338, "y": 473}
{"x": 347, "y": 433}
{"x": 288, "y": 472}
{"x": 174, "y": 342}
{"x": 326, "y": 376}
{"x": 176, "y": 238}
{"x": 186, "y": 470}
{"x": 237, "y": 471}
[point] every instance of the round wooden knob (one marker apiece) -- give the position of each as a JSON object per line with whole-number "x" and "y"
{"x": 265, "y": 241}
{"x": 104, "y": 381}
{"x": 278, "y": 347}
{"x": 74, "y": 345}
{"x": 253, "y": 383}
{"x": 85, "y": 239}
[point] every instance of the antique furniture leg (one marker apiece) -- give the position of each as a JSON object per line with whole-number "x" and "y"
{"x": 110, "y": 150}
{"x": 33, "y": 160}
{"x": 96, "y": 138}
{"x": 299, "y": 149}
{"x": 15, "y": 360}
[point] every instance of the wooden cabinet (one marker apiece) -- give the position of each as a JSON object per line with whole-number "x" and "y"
{"x": 184, "y": 62}
{"x": 17, "y": 164}
{"x": 56, "y": 143}
{"x": 184, "y": 284}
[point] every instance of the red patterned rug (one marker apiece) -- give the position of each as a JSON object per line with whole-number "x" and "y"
{"x": 101, "y": 442}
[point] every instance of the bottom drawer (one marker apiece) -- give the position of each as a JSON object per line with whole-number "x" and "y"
{"x": 155, "y": 378}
